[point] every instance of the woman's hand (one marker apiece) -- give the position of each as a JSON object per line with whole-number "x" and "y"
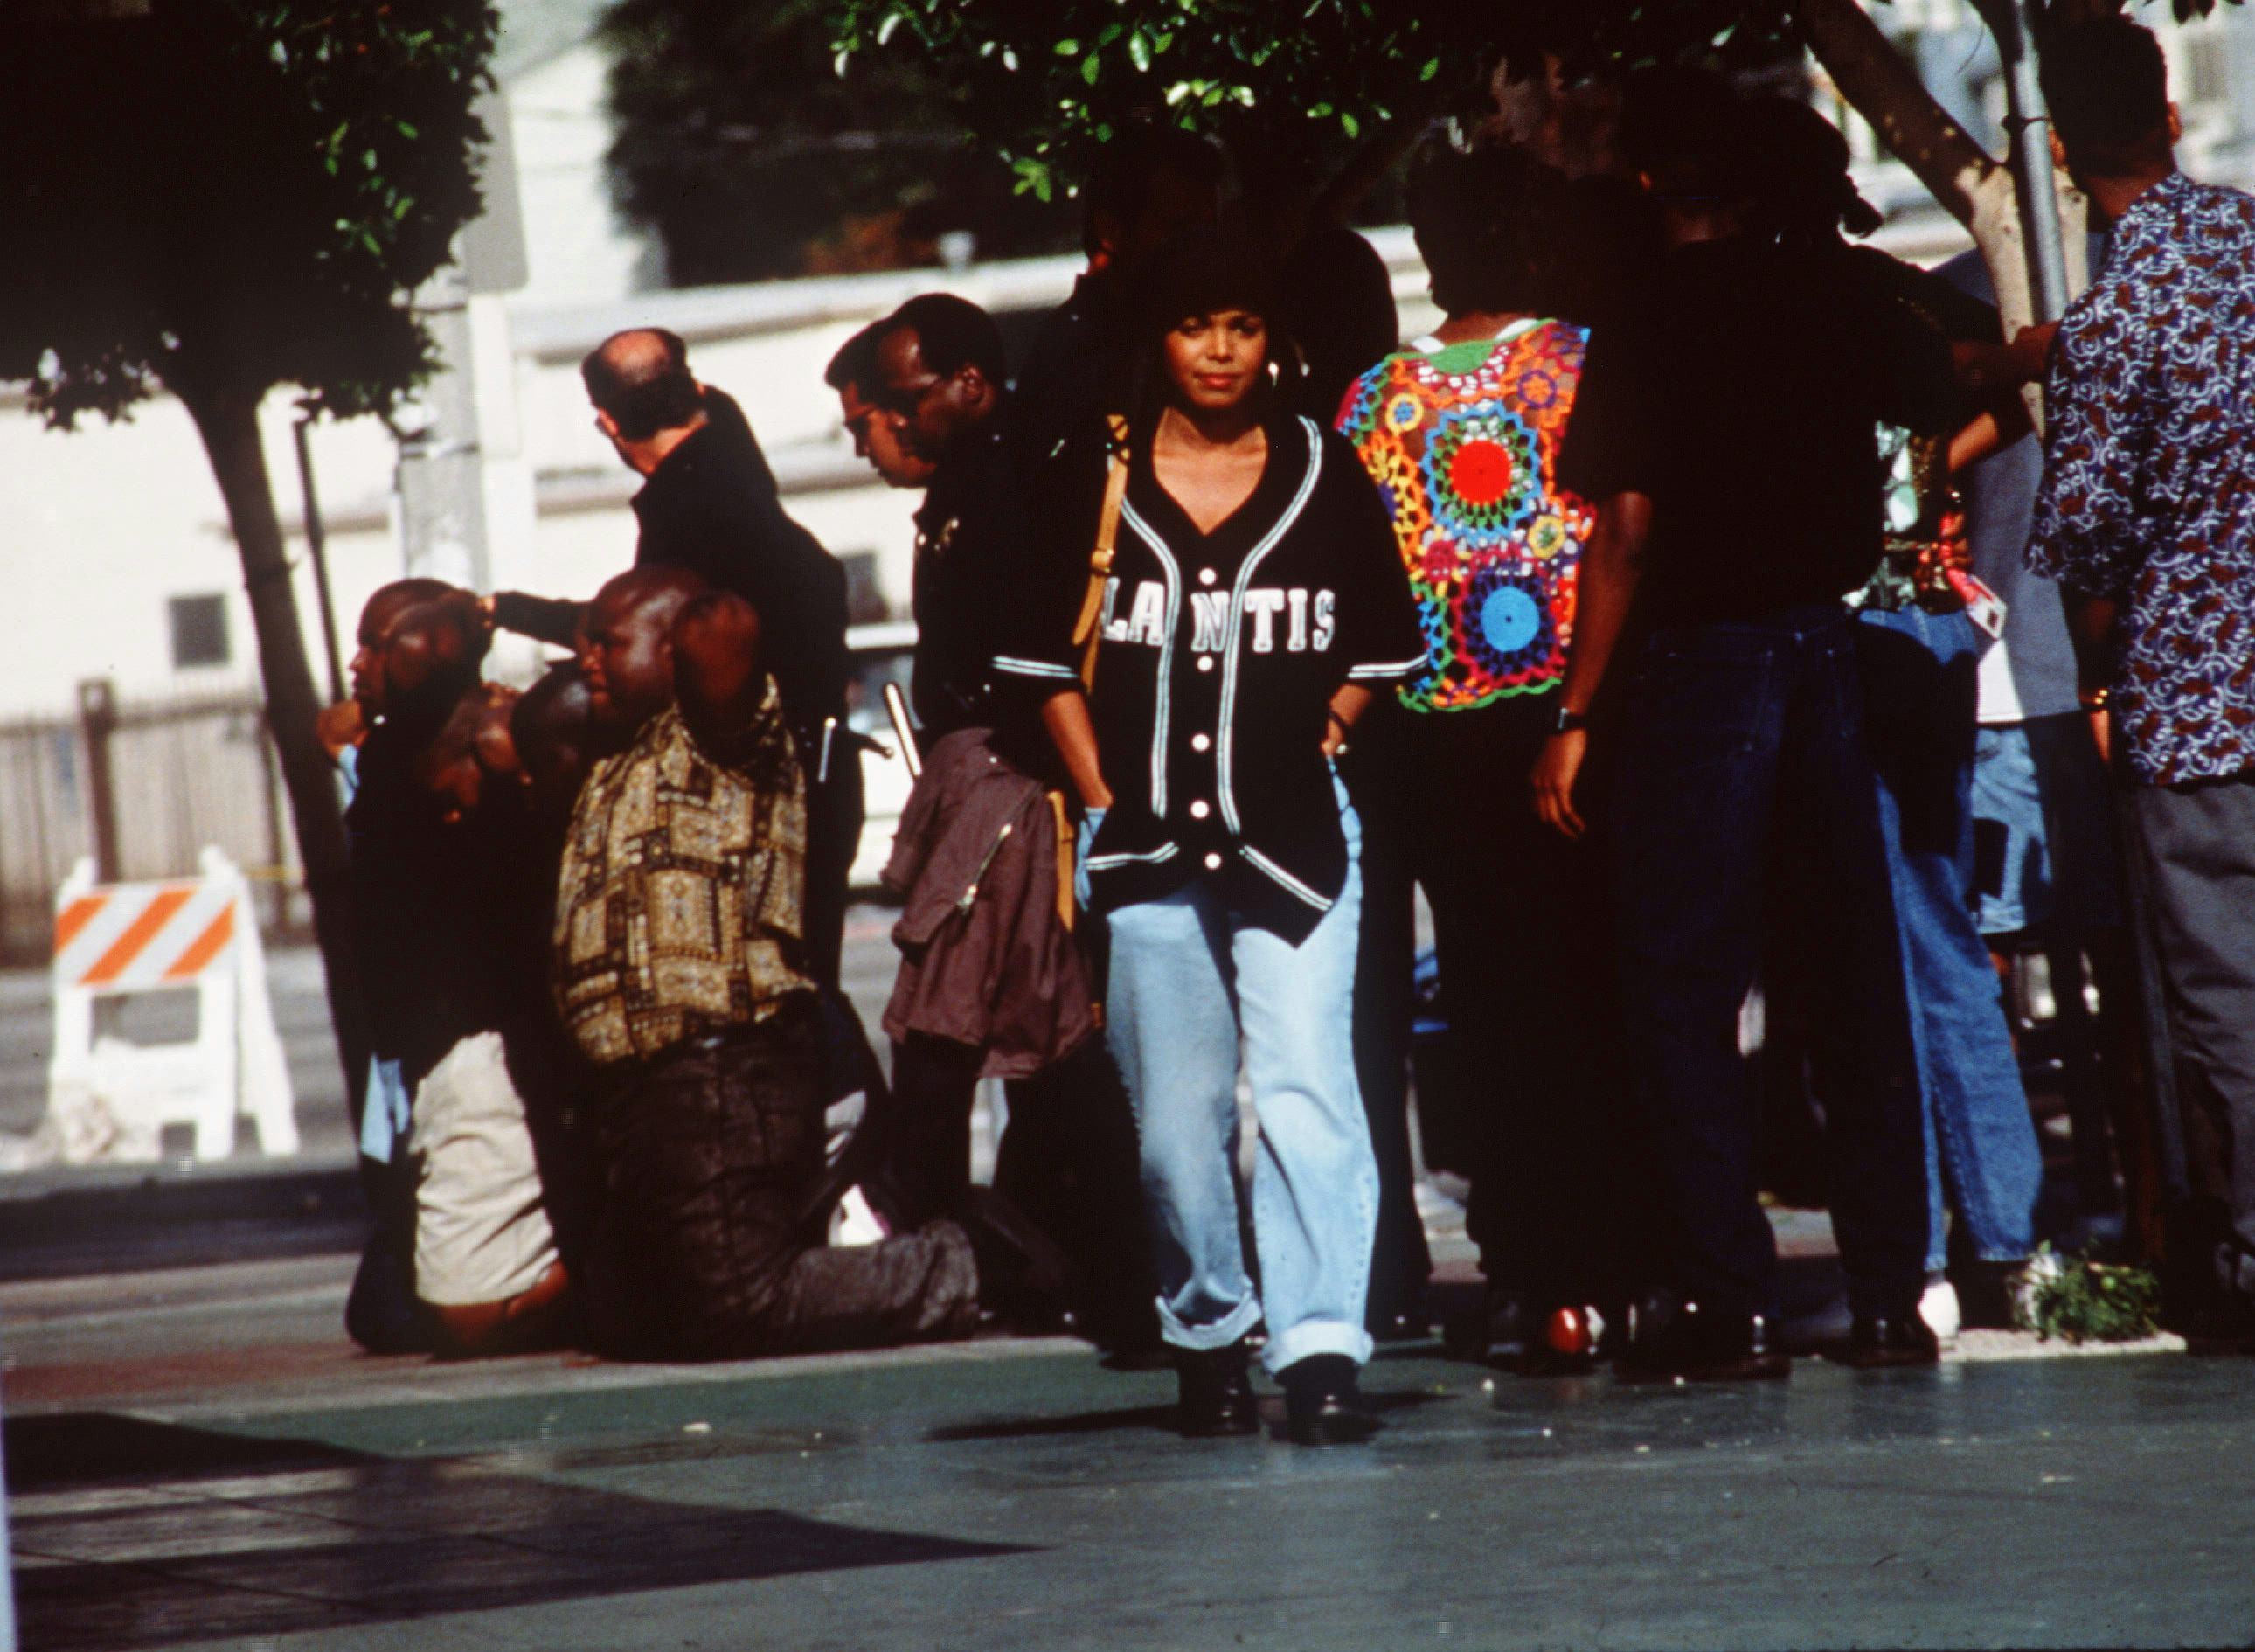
{"x": 1555, "y": 770}
{"x": 1346, "y": 710}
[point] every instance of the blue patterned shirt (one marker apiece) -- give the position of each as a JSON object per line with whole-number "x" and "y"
{"x": 2148, "y": 495}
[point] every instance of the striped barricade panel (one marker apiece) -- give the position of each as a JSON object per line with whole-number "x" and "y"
{"x": 133, "y": 937}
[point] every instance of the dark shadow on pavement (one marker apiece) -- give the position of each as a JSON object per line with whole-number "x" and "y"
{"x": 1160, "y": 1417}
{"x": 132, "y": 1534}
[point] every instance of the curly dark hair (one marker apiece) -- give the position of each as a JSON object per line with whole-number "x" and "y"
{"x": 1223, "y": 267}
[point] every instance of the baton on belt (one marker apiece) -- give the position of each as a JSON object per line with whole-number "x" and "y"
{"x": 897, "y": 704}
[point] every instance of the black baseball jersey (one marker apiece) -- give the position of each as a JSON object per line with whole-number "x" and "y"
{"x": 1220, "y": 657}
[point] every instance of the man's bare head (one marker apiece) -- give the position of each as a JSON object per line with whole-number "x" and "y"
{"x": 640, "y": 385}
{"x": 378, "y": 616}
{"x": 431, "y": 657}
{"x": 552, "y": 728}
{"x": 626, "y": 644}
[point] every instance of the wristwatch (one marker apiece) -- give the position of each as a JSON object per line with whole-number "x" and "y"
{"x": 1569, "y": 720}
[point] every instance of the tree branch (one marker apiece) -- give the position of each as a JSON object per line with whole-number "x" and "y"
{"x": 1378, "y": 153}
{"x": 1887, "y": 91}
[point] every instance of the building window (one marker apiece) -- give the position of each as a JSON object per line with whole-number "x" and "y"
{"x": 199, "y": 632}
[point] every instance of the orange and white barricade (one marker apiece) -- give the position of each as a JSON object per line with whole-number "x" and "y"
{"x": 110, "y": 1099}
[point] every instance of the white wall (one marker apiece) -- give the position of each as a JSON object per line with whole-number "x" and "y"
{"x": 577, "y": 246}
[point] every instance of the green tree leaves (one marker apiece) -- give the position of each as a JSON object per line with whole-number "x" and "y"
{"x": 243, "y": 189}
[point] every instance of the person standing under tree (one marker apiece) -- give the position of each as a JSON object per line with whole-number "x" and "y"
{"x": 1253, "y": 603}
{"x": 1461, "y": 431}
{"x": 1742, "y": 754}
{"x": 2146, "y": 517}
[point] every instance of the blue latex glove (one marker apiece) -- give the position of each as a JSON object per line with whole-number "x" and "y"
{"x": 1091, "y": 821}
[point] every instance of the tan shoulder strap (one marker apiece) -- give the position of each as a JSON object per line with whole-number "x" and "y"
{"x": 1087, "y": 631}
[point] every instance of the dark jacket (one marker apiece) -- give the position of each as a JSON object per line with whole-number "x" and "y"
{"x": 443, "y": 947}
{"x": 713, "y": 506}
{"x": 1078, "y": 371}
{"x": 987, "y": 960}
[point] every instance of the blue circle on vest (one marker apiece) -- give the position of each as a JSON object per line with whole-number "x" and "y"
{"x": 1509, "y": 619}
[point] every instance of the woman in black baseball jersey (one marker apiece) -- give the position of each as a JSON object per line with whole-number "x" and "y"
{"x": 1253, "y": 600}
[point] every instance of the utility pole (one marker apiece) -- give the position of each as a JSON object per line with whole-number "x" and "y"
{"x": 2029, "y": 123}
{"x": 464, "y": 488}
{"x": 316, "y": 551}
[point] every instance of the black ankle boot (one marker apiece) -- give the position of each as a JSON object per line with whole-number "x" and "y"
{"x": 1217, "y": 1393}
{"x": 1323, "y": 1406}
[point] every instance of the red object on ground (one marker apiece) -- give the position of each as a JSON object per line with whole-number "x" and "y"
{"x": 1569, "y": 1333}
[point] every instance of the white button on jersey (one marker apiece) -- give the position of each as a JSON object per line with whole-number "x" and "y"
{"x": 1198, "y": 810}
{"x": 1205, "y": 662}
{"x": 1213, "y": 863}
{"x": 1200, "y": 742}
{"x": 1205, "y": 576}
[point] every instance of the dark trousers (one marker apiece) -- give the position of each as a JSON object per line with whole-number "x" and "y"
{"x": 835, "y": 810}
{"x": 1401, "y": 1263}
{"x": 1743, "y": 758}
{"x": 1068, "y": 1161}
{"x": 2197, "y": 842}
{"x": 1526, "y": 984}
{"x": 712, "y": 1163}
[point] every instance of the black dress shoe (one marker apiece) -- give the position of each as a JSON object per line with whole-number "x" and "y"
{"x": 1217, "y": 1393}
{"x": 1877, "y": 1341}
{"x": 1701, "y": 1347}
{"x": 1502, "y": 1331}
{"x": 1323, "y": 1405}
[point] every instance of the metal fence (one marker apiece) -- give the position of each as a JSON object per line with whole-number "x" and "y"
{"x": 141, "y": 788}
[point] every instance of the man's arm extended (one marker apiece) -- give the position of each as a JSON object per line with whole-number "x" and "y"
{"x": 552, "y": 620}
{"x": 1611, "y": 568}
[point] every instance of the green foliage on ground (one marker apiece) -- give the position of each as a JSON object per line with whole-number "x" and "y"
{"x": 2086, "y": 1300}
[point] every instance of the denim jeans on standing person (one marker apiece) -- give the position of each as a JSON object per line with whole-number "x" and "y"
{"x": 1743, "y": 756}
{"x": 1920, "y": 695}
{"x": 1190, "y": 979}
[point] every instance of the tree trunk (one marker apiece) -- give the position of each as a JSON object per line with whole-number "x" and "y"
{"x": 227, "y": 418}
{"x": 1972, "y": 185}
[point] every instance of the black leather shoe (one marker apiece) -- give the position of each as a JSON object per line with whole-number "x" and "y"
{"x": 1877, "y": 1341}
{"x": 1502, "y": 1331}
{"x": 1217, "y": 1393}
{"x": 1700, "y": 1346}
{"x": 1323, "y": 1405}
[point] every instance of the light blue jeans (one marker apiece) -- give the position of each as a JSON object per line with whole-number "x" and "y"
{"x": 1981, "y": 1149}
{"x": 1191, "y": 980}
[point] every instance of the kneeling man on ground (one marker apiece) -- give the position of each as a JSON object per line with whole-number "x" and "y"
{"x": 680, "y": 969}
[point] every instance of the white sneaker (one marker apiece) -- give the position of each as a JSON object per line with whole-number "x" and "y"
{"x": 854, "y": 1223}
{"x": 1938, "y": 1307}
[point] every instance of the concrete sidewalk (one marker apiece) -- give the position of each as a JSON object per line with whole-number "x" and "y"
{"x": 1015, "y": 1494}
{"x": 198, "y": 1458}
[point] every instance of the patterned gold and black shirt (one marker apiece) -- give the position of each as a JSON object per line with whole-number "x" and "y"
{"x": 678, "y": 912}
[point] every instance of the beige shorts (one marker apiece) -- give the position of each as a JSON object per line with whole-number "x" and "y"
{"x": 481, "y": 1233}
